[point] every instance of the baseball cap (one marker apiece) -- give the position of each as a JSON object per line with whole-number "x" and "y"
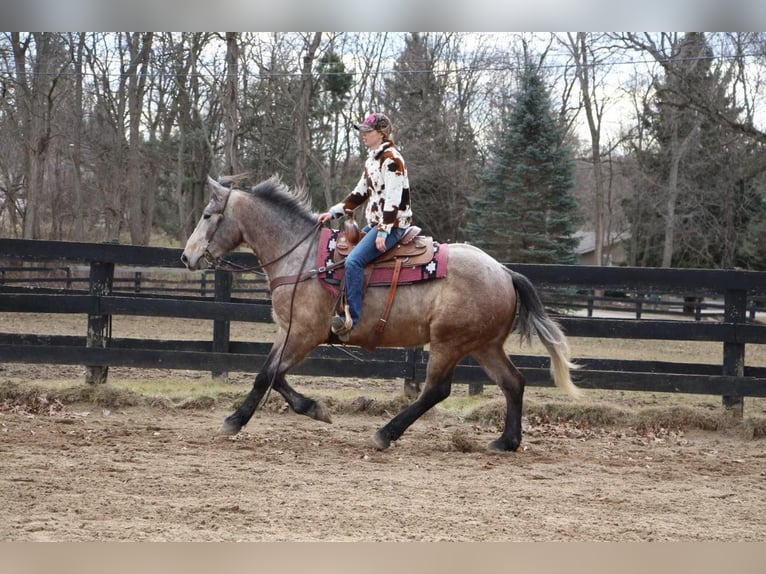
{"x": 375, "y": 122}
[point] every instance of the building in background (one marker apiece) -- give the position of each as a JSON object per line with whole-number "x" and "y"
{"x": 614, "y": 248}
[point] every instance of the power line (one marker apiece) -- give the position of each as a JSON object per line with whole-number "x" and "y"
{"x": 491, "y": 68}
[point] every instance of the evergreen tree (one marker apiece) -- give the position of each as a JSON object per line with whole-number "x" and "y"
{"x": 526, "y": 212}
{"x": 329, "y": 126}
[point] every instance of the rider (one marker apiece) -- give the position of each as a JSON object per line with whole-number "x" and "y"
{"x": 385, "y": 184}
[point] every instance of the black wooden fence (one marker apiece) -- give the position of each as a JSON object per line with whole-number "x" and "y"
{"x": 740, "y": 292}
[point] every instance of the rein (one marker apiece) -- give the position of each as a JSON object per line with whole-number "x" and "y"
{"x": 284, "y": 279}
{"x": 236, "y": 267}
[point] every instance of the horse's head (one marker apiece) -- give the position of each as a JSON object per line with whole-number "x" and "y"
{"x": 215, "y": 233}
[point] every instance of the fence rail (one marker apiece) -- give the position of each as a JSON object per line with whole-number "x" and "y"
{"x": 728, "y": 301}
{"x": 172, "y": 282}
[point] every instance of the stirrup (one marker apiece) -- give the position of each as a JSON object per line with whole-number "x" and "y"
{"x": 341, "y": 327}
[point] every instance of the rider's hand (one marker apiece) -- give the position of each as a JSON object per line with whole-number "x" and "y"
{"x": 324, "y": 217}
{"x": 380, "y": 243}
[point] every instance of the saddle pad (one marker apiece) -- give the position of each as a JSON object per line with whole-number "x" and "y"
{"x": 434, "y": 269}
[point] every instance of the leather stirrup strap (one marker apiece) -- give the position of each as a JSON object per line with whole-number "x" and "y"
{"x": 342, "y": 300}
{"x": 377, "y": 333}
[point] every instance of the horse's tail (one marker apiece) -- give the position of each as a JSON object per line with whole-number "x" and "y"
{"x": 533, "y": 319}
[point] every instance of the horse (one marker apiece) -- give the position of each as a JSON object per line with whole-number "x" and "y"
{"x": 470, "y": 312}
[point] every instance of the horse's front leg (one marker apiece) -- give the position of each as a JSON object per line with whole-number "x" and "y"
{"x": 272, "y": 375}
{"x": 239, "y": 418}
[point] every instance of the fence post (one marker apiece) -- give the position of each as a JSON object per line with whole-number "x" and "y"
{"x": 411, "y": 383}
{"x": 99, "y": 326}
{"x": 475, "y": 389}
{"x": 222, "y": 327}
{"x": 735, "y": 309}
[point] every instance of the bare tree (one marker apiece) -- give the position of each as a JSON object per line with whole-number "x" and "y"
{"x": 105, "y": 131}
{"x": 194, "y": 157}
{"x": 302, "y": 113}
{"x": 676, "y": 60}
{"x": 37, "y": 89}
{"x": 583, "y": 51}
{"x": 11, "y": 153}
{"x": 231, "y": 105}
{"x": 119, "y": 131}
{"x": 139, "y": 213}
{"x": 77, "y": 48}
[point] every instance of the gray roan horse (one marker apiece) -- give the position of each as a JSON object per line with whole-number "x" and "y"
{"x": 470, "y": 312}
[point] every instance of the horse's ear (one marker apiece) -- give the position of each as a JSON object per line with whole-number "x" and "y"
{"x": 218, "y": 196}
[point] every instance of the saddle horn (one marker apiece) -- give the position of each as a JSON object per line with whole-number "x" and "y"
{"x": 351, "y": 229}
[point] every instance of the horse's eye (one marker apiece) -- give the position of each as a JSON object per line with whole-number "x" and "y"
{"x": 205, "y": 216}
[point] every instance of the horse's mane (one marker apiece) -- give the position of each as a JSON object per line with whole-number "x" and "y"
{"x": 290, "y": 204}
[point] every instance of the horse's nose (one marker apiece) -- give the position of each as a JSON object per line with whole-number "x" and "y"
{"x": 184, "y": 259}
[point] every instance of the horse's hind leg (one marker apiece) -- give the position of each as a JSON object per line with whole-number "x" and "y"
{"x": 438, "y": 386}
{"x": 502, "y": 371}
{"x": 300, "y": 403}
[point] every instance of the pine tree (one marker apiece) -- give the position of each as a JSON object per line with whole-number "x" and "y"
{"x": 526, "y": 212}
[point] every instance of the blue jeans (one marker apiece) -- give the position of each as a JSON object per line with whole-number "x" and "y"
{"x": 362, "y": 253}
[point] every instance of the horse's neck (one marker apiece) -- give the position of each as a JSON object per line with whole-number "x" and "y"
{"x": 285, "y": 250}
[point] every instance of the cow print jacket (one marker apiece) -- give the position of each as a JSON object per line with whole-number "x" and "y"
{"x": 385, "y": 184}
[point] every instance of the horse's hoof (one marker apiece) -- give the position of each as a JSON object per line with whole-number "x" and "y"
{"x": 229, "y": 428}
{"x": 500, "y": 445}
{"x": 320, "y": 413}
{"x": 379, "y": 441}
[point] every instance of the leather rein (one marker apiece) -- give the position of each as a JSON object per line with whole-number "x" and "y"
{"x": 229, "y": 265}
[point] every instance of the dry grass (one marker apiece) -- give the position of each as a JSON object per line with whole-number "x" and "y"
{"x": 195, "y": 390}
{"x": 487, "y": 410}
{"x": 675, "y": 417}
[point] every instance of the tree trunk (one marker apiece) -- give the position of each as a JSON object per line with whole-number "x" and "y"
{"x": 35, "y": 108}
{"x": 230, "y": 105}
{"x": 677, "y": 152}
{"x": 139, "y": 45}
{"x": 76, "y": 145}
{"x": 303, "y": 114}
{"x": 580, "y": 49}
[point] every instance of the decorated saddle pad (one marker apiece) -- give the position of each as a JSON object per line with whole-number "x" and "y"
{"x": 435, "y": 268}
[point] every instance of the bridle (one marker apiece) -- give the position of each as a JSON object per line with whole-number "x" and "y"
{"x": 223, "y": 264}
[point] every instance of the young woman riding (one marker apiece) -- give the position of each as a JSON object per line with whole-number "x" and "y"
{"x": 385, "y": 187}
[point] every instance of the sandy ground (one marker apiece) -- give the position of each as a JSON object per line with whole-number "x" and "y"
{"x": 81, "y": 472}
{"x": 85, "y": 473}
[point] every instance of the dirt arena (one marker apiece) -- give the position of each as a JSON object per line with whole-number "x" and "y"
{"x": 85, "y": 472}
{"x": 77, "y": 470}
